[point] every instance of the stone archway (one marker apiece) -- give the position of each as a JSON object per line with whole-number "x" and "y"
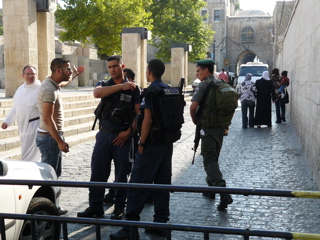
{"x": 244, "y": 57}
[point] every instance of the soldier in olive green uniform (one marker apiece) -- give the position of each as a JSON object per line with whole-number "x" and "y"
{"x": 211, "y": 138}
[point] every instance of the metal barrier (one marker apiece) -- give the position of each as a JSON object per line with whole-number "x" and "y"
{"x": 206, "y": 230}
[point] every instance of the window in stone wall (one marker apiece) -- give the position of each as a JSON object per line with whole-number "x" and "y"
{"x": 247, "y": 34}
{"x": 204, "y": 15}
{"x": 216, "y": 15}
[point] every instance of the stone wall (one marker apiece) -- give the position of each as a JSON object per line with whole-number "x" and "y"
{"x": 2, "y": 82}
{"x": 261, "y": 46}
{"x": 191, "y": 73}
{"x": 219, "y": 27}
{"x": 301, "y": 58}
{"x": 281, "y": 16}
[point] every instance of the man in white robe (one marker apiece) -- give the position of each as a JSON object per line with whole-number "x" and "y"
{"x": 25, "y": 111}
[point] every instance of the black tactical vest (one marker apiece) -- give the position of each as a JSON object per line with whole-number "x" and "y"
{"x": 118, "y": 108}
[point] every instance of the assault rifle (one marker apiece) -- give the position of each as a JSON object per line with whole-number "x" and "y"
{"x": 198, "y": 116}
{"x": 98, "y": 112}
{"x": 196, "y": 141}
{"x": 181, "y": 84}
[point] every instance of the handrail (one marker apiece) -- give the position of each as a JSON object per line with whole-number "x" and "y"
{"x": 170, "y": 227}
{"x": 175, "y": 188}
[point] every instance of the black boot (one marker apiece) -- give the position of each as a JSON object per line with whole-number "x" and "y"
{"x": 225, "y": 200}
{"x": 124, "y": 234}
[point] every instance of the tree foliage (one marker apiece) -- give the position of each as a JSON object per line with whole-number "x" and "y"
{"x": 1, "y": 24}
{"x": 100, "y": 22}
{"x": 179, "y": 21}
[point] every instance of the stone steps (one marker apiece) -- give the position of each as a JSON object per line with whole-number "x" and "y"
{"x": 79, "y": 105}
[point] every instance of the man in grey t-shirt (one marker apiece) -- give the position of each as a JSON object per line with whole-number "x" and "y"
{"x": 50, "y": 138}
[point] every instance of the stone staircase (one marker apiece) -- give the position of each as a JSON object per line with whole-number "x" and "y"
{"x": 78, "y": 104}
{"x": 78, "y": 111}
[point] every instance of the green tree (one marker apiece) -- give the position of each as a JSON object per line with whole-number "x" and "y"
{"x": 1, "y": 23}
{"x": 179, "y": 21}
{"x": 100, "y": 22}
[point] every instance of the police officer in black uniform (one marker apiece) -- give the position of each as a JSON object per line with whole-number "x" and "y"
{"x": 120, "y": 103}
{"x": 152, "y": 163}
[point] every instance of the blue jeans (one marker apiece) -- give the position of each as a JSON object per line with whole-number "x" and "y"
{"x": 245, "y": 104}
{"x": 50, "y": 152}
{"x": 280, "y": 110}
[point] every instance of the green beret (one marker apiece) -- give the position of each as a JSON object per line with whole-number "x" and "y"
{"x": 205, "y": 62}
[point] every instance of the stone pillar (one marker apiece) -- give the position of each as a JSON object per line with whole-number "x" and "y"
{"x": 134, "y": 52}
{"x": 20, "y": 40}
{"x": 74, "y": 59}
{"x": 186, "y": 63}
{"x": 46, "y": 43}
{"x": 179, "y": 63}
{"x": 84, "y": 77}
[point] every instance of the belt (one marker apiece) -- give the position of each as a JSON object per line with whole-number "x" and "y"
{"x": 112, "y": 131}
{"x": 33, "y": 119}
{"x": 47, "y": 133}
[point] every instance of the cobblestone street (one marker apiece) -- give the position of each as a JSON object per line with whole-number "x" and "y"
{"x": 266, "y": 158}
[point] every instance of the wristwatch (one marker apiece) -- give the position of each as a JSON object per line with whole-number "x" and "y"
{"x": 141, "y": 144}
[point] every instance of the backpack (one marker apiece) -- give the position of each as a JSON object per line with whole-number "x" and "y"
{"x": 219, "y": 106}
{"x": 167, "y": 107}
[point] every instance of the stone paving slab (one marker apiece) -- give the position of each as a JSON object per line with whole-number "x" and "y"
{"x": 266, "y": 158}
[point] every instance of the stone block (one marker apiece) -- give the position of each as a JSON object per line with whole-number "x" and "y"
{"x": 84, "y": 77}
{"x": 93, "y": 76}
{"x": 79, "y": 51}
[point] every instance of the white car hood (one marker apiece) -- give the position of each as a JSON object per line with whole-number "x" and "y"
{"x": 18, "y": 169}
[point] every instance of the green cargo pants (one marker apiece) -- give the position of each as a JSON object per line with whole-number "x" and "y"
{"x": 211, "y": 143}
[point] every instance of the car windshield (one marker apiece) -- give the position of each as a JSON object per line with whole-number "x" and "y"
{"x": 254, "y": 70}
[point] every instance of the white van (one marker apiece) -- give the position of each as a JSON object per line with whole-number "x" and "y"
{"x": 255, "y": 68}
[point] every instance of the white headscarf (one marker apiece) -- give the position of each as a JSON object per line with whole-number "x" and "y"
{"x": 265, "y": 75}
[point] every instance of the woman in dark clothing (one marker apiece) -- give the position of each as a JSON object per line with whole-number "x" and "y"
{"x": 265, "y": 91}
{"x": 279, "y": 104}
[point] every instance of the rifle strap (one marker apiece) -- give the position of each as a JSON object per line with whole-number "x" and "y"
{"x": 205, "y": 95}
{"x": 204, "y": 98}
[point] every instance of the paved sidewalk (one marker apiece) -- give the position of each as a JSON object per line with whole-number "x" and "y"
{"x": 266, "y": 158}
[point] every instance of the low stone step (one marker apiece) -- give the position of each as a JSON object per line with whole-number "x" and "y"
{"x": 11, "y": 154}
{"x": 77, "y": 120}
{"x": 72, "y": 118}
{"x": 6, "y": 103}
{"x": 72, "y": 141}
{"x": 4, "y": 112}
{"x": 74, "y": 112}
{"x": 9, "y": 143}
{"x": 76, "y": 97}
{"x": 12, "y": 142}
{"x": 81, "y": 104}
{"x": 11, "y": 131}
{"x": 78, "y": 129}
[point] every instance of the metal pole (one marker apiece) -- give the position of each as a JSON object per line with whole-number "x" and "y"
{"x": 98, "y": 232}
{"x": 65, "y": 230}
{"x": 2, "y": 229}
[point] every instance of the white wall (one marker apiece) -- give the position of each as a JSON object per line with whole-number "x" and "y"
{"x": 301, "y": 58}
